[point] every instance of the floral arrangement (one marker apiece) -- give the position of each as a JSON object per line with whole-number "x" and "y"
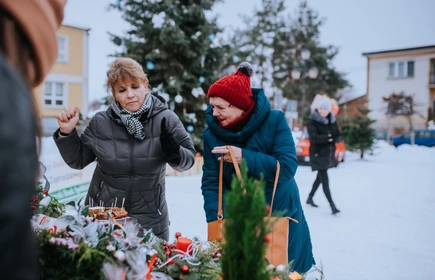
{"x": 73, "y": 245}
{"x": 43, "y": 202}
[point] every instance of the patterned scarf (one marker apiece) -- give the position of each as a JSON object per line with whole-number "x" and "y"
{"x": 131, "y": 120}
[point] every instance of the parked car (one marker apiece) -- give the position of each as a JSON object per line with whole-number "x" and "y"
{"x": 303, "y": 149}
{"x": 423, "y": 137}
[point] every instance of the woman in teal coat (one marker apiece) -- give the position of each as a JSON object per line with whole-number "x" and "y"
{"x": 240, "y": 116}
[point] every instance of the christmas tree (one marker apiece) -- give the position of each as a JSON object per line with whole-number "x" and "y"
{"x": 243, "y": 255}
{"x": 180, "y": 50}
{"x": 273, "y": 42}
{"x": 357, "y": 133}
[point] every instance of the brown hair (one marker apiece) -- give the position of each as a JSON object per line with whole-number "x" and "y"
{"x": 125, "y": 70}
{"x": 15, "y": 46}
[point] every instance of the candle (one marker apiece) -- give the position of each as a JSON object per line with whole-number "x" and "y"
{"x": 183, "y": 243}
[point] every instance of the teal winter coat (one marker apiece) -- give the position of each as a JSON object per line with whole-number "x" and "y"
{"x": 264, "y": 139}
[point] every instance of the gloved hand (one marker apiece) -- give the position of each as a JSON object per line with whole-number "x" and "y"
{"x": 170, "y": 146}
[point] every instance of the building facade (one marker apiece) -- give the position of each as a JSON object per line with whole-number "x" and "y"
{"x": 411, "y": 71}
{"x": 66, "y": 85}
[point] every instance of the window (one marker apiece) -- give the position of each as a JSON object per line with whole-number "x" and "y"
{"x": 62, "y": 42}
{"x": 391, "y": 69}
{"x": 54, "y": 95}
{"x": 401, "y": 69}
{"x": 410, "y": 69}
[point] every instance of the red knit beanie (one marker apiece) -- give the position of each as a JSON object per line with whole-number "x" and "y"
{"x": 235, "y": 88}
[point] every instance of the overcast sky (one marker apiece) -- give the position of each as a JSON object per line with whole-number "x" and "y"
{"x": 355, "y": 26}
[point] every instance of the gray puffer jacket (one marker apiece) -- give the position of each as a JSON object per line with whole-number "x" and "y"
{"x": 129, "y": 168}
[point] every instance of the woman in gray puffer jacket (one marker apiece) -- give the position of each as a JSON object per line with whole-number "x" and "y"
{"x": 132, "y": 142}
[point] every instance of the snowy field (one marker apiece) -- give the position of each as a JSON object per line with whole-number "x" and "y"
{"x": 386, "y": 228}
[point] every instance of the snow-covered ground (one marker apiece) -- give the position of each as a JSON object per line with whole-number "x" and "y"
{"x": 386, "y": 228}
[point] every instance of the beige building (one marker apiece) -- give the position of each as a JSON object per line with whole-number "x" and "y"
{"x": 410, "y": 70}
{"x": 66, "y": 85}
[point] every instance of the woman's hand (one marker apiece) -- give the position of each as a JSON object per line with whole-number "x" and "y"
{"x": 68, "y": 119}
{"x": 226, "y": 154}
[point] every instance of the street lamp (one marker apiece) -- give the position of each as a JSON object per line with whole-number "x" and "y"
{"x": 312, "y": 73}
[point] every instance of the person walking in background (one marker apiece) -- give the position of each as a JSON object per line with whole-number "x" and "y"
{"x": 28, "y": 49}
{"x": 323, "y": 132}
{"x": 132, "y": 142}
{"x": 240, "y": 116}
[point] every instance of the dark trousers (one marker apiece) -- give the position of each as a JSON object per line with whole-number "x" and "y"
{"x": 322, "y": 178}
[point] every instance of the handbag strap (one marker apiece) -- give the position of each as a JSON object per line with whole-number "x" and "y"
{"x": 221, "y": 171}
{"x": 239, "y": 176}
{"x": 278, "y": 168}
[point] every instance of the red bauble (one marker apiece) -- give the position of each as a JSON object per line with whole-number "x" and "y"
{"x": 184, "y": 269}
{"x": 267, "y": 238}
{"x": 177, "y": 234}
{"x": 168, "y": 252}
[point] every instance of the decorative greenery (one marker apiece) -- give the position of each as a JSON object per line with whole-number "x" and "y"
{"x": 75, "y": 246}
{"x": 43, "y": 203}
{"x": 79, "y": 247}
{"x": 244, "y": 251}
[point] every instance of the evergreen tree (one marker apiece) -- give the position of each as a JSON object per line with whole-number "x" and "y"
{"x": 304, "y": 33}
{"x": 178, "y": 47}
{"x": 272, "y": 42}
{"x": 255, "y": 42}
{"x": 357, "y": 133}
{"x": 243, "y": 255}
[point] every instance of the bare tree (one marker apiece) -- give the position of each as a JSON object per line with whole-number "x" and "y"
{"x": 400, "y": 104}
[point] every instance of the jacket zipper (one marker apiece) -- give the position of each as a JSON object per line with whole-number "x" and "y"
{"x": 132, "y": 171}
{"x": 158, "y": 199}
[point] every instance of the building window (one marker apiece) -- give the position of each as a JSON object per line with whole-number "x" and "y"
{"x": 62, "y": 42}
{"x": 54, "y": 95}
{"x": 401, "y": 69}
{"x": 410, "y": 71}
{"x": 391, "y": 69}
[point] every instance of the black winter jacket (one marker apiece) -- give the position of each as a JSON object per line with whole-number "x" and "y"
{"x": 322, "y": 151}
{"x": 129, "y": 168}
{"x": 18, "y": 167}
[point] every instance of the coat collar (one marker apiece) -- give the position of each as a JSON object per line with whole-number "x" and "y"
{"x": 330, "y": 118}
{"x": 261, "y": 110}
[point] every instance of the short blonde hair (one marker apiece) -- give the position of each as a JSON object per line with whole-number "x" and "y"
{"x": 125, "y": 70}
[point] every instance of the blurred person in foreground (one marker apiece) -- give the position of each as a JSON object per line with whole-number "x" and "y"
{"x": 28, "y": 49}
{"x": 323, "y": 132}
{"x": 132, "y": 141}
{"x": 240, "y": 116}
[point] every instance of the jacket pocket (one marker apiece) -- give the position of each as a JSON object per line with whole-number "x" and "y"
{"x": 150, "y": 201}
{"x": 107, "y": 195}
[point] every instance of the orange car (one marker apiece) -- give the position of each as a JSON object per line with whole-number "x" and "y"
{"x": 303, "y": 149}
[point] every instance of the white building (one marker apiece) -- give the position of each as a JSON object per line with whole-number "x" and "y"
{"x": 411, "y": 71}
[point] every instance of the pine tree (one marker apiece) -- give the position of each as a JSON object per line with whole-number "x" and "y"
{"x": 255, "y": 42}
{"x": 304, "y": 33}
{"x": 358, "y": 135}
{"x": 178, "y": 47}
{"x": 273, "y": 42}
{"x": 243, "y": 255}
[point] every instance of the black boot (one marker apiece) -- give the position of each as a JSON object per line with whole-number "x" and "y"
{"x": 311, "y": 202}
{"x": 334, "y": 209}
